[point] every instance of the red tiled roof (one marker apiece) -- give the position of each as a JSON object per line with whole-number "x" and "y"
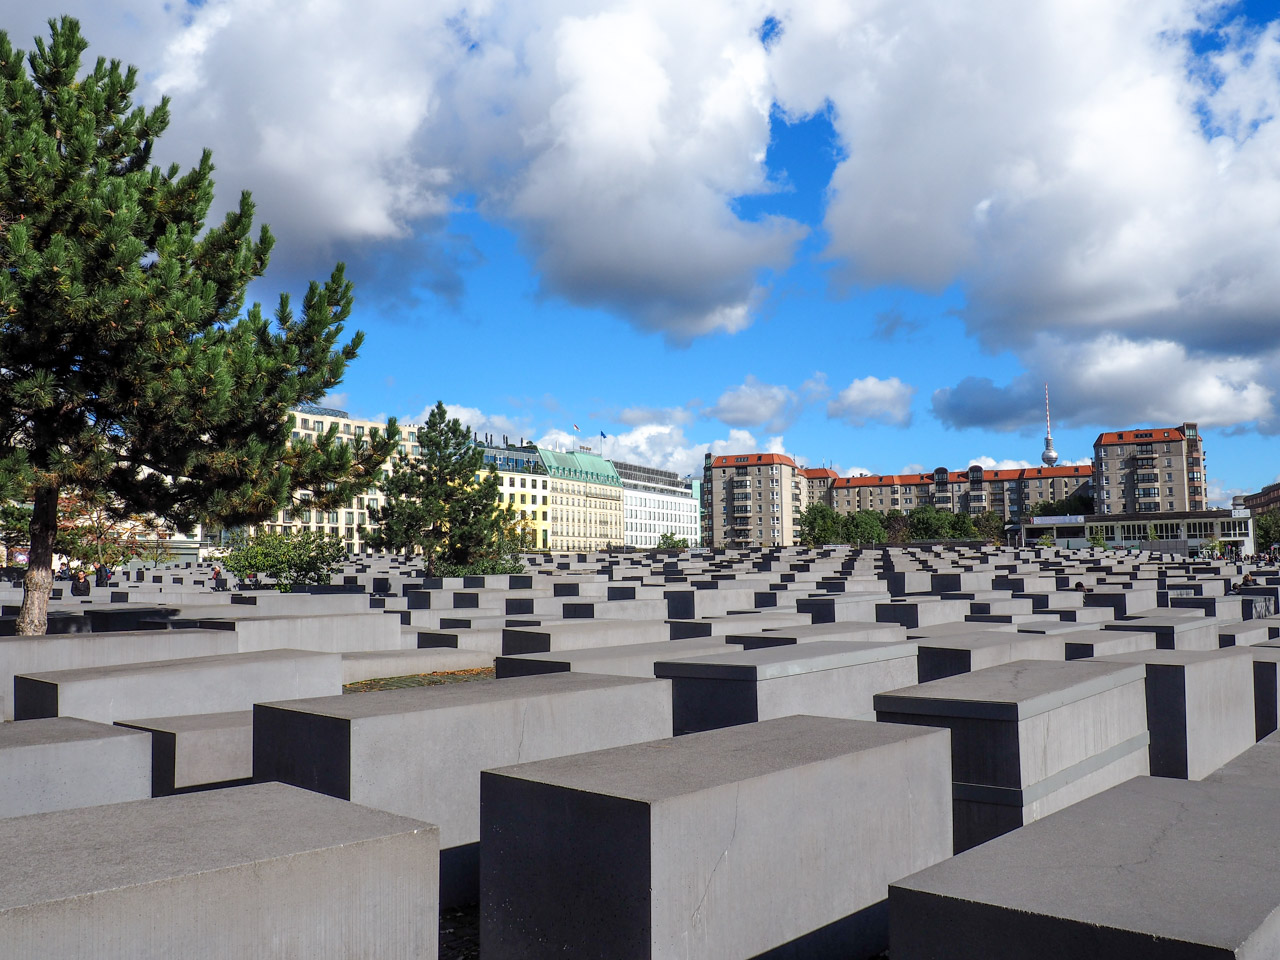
{"x": 962, "y": 476}
{"x": 1154, "y": 434}
{"x": 813, "y": 473}
{"x": 752, "y": 460}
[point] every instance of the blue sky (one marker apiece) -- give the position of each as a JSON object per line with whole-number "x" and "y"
{"x": 866, "y": 240}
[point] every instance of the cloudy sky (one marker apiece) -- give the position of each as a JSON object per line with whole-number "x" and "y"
{"x": 863, "y": 232}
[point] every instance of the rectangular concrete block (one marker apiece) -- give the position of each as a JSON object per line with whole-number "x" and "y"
{"x": 256, "y": 872}
{"x": 217, "y": 684}
{"x": 72, "y": 651}
{"x": 1030, "y": 737}
{"x": 1152, "y": 869}
{"x": 62, "y": 763}
{"x": 199, "y": 750}
{"x": 419, "y": 752}
{"x": 677, "y": 848}
{"x": 1200, "y": 707}
{"x": 832, "y": 678}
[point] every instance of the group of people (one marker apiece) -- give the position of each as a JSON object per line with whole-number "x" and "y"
{"x": 79, "y": 577}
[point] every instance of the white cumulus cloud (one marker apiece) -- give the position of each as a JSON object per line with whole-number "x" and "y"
{"x": 870, "y": 399}
{"x": 757, "y": 404}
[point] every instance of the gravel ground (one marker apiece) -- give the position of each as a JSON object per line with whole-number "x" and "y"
{"x": 460, "y": 934}
{"x": 419, "y": 680}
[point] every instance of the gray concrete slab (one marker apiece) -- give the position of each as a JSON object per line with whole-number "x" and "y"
{"x": 77, "y": 650}
{"x": 832, "y": 678}
{"x": 1030, "y": 737}
{"x": 197, "y": 750}
{"x": 675, "y": 848}
{"x": 1200, "y": 707}
{"x": 162, "y": 688}
{"x": 960, "y": 652}
{"x": 419, "y": 752}
{"x": 256, "y": 872}
{"x": 1152, "y": 869}
{"x": 62, "y": 762}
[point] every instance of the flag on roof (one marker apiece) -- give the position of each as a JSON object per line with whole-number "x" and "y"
{"x": 575, "y": 428}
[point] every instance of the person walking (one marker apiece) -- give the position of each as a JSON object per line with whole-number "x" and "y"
{"x": 101, "y": 575}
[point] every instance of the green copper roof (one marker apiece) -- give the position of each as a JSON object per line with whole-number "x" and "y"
{"x": 585, "y": 467}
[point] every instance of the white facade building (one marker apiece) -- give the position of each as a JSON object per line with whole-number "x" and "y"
{"x": 655, "y": 502}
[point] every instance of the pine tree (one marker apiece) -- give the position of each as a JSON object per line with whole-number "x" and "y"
{"x": 129, "y": 366}
{"x": 445, "y": 503}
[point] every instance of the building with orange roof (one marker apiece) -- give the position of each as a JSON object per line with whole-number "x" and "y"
{"x": 755, "y": 499}
{"x": 1150, "y": 470}
{"x": 1012, "y": 494}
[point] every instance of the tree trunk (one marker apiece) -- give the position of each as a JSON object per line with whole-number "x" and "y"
{"x": 33, "y": 619}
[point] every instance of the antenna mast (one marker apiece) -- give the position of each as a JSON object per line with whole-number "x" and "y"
{"x": 1050, "y": 455}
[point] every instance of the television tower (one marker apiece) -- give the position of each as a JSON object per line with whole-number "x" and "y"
{"x": 1050, "y": 455}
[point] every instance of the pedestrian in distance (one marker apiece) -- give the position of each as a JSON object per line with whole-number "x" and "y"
{"x": 80, "y": 586}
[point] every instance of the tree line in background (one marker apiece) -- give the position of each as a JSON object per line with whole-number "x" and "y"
{"x": 820, "y": 524}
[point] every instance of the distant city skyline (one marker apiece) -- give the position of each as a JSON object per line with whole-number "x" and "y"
{"x": 734, "y": 226}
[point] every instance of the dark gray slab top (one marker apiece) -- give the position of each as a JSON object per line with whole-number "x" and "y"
{"x": 663, "y": 769}
{"x": 450, "y": 696}
{"x": 68, "y": 853}
{"x": 1192, "y": 861}
{"x": 1011, "y": 691}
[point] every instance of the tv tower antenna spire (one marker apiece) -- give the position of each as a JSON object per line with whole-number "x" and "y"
{"x": 1050, "y": 455}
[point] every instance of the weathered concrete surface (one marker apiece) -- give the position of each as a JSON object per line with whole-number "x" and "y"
{"x": 217, "y": 684}
{"x": 1200, "y": 707}
{"x": 62, "y": 763}
{"x": 419, "y": 752}
{"x": 674, "y": 849}
{"x": 1152, "y": 869}
{"x": 257, "y": 872}
{"x": 198, "y": 750}
{"x": 830, "y": 678}
{"x": 1030, "y": 737}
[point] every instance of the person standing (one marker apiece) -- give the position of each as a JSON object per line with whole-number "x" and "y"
{"x": 80, "y": 585}
{"x": 101, "y": 575}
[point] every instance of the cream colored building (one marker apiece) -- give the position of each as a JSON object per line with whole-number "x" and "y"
{"x": 586, "y": 511}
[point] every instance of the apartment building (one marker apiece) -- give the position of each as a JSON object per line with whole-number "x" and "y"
{"x": 1149, "y": 470}
{"x": 753, "y": 499}
{"x": 655, "y": 502}
{"x": 586, "y": 494}
{"x": 1266, "y": 499}
{"x": 1010, "y": 493}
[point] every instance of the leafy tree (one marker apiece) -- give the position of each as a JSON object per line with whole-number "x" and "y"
{"x": 819, "y": 524}
{"x": 1266, "y": 530}
{"x": 129, "y": 369}
{"x": 990, "y": 526}
{"x": 90, "y": 529}
{"x": 1098, "y": 540}
{"x": 669, "y": 541}
{"x": 292, "y": 559}
{"x": 445, "y": 503}
{"x": 927, "y": 522}
{"x": 1045, "y": 540}
{"x": 897, "y": 527}
{"x": 15, "y": 527}
{"x": 156, "y": 550}
{"x": 962, "y": 527}
{"x": 865, "y": 526}
{"x": 1078, "y": 504}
